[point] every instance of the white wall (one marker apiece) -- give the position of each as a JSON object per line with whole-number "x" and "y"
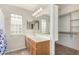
{"x": 67, "y": 40}
{"x": 14, "y": 41}
{"x": 64, "y": 26}
{"x": 64, "y": 23}
{"x": 53, "y": 27}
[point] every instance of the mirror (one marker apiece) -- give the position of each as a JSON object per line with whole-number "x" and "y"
{"x": 40, "y": 25}
{"x": 34, "y": 24}
{"x": 44, "y": 24}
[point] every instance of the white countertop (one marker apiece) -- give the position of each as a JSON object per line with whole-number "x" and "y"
{"x": 38, "y": 37}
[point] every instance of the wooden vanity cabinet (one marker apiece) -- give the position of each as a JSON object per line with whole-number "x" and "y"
{"x": 43, "y": 48}
{"x": 37, "y": 48}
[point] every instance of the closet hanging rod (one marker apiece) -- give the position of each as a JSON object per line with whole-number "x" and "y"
{"x": 69, "y": 33}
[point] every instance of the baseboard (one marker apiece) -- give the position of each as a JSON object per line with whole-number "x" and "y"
{"x": 15, "y": 50}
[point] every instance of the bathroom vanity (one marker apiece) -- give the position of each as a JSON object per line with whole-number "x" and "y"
{"x": 37, "y": 45}
{"x": 38, "y": 35}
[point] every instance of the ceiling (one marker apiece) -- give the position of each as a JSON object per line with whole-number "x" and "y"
{"x": 30, "y": 7}
{"x": 61, "y": 6}
{"x": 34, "y": 8}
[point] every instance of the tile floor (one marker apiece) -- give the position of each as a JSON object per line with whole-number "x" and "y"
{"x": 62, "y": 50}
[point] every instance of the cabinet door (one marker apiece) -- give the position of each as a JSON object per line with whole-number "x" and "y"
{"x": 28, "y": 45}
{"x": 75, "y": 15}
{"x": 33, "y": 51}
{"x": 64, "y": 23}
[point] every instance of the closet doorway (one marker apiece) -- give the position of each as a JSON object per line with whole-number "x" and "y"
{"x": 68, "y": 29}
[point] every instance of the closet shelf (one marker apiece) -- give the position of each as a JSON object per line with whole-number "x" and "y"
{"x": 68, "y": 32}
{"x": 75, "y": 20}
{"x": 75, "y": 26}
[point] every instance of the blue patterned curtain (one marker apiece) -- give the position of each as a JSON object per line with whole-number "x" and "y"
{"x": 3, "y": 44}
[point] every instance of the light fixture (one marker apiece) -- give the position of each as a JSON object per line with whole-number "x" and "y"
{"x": 35, "y": 13}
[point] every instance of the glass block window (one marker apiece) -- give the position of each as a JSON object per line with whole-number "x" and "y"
{"x": 16, "y": 24}
{"x": 43, "y": 21}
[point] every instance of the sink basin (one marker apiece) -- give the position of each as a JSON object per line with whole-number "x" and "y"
{"x": 39, "y": 37}
{"x": 43, "y": 35}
